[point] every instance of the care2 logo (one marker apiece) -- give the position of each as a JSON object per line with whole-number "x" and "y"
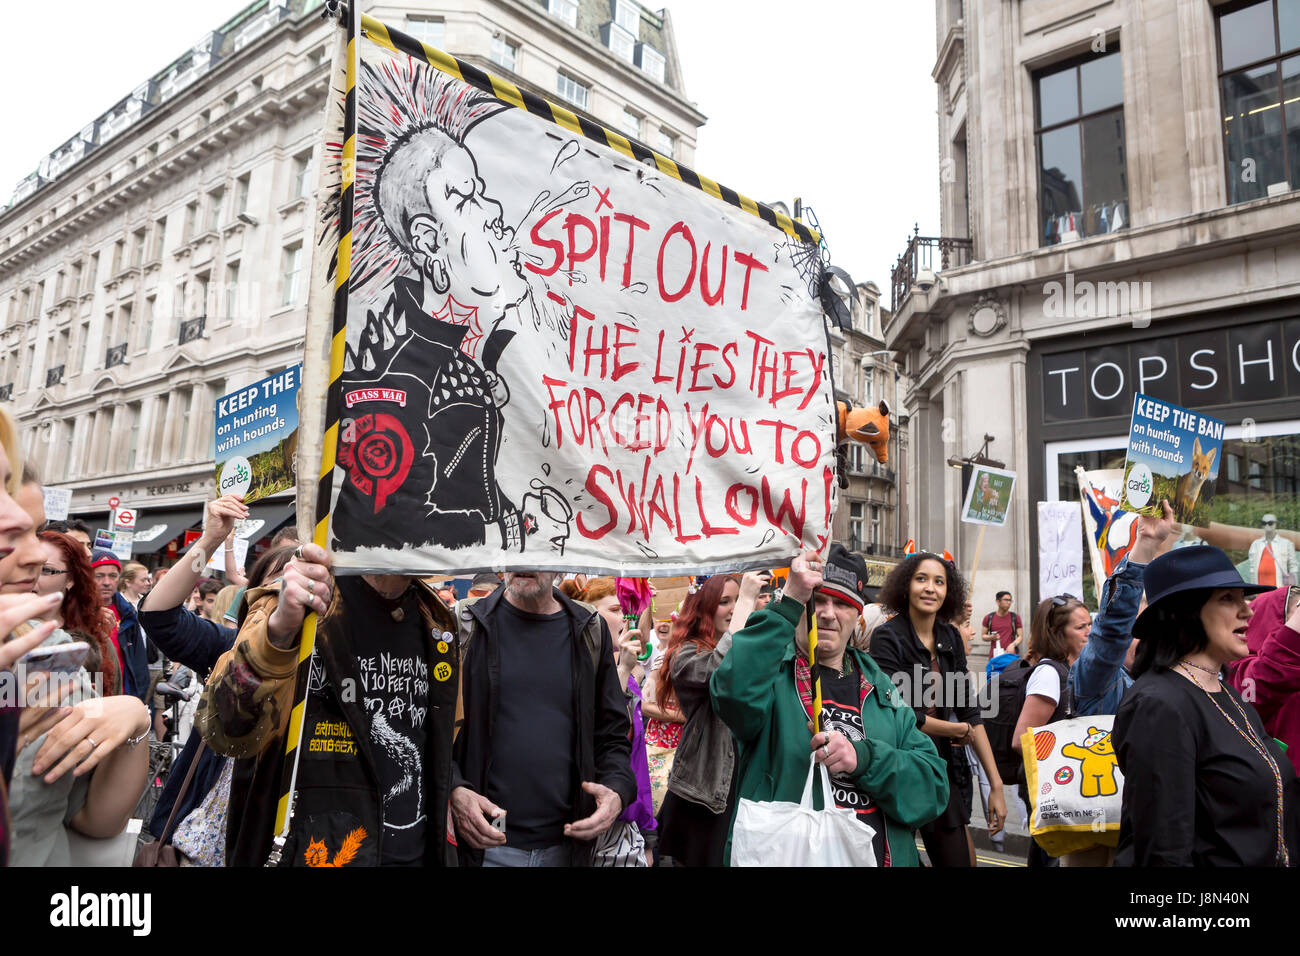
{"x": 1138, "y": 486}
{"x": 236, "y": 476}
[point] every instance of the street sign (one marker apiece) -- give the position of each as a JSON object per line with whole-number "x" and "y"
{"x": 124, "y": 519}
{"x": 114, "y": 501}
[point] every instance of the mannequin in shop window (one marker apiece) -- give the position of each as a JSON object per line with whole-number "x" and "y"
{"x": 1272, "y": 557}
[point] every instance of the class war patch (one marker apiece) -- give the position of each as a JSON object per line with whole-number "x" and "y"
{"x": 331, "y": 739}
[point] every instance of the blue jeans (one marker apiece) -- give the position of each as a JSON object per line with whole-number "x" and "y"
{"x": 510, "y": 856}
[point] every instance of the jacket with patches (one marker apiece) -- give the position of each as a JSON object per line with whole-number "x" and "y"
{"x": 338, "y": 817}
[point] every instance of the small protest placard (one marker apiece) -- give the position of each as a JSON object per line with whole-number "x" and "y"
{"x": 988, "y": 499}
{"x": 1173, "y": 453}
{"x": 257, "y": 436}
{"x": 1060, "y": 548}
{"x": 57, "y": 502}
{"x": 218, "y": 560}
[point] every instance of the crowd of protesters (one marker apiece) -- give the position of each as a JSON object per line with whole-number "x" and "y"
{"x": 547, "y": 720}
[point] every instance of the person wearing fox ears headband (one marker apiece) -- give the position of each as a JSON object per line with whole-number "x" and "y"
{"x": 880, "y": 764}
{"x": 1205, "y": 784}
{"x": 922, "y": 652}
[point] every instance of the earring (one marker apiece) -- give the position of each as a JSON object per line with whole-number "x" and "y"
{"x": 438, "y": 273}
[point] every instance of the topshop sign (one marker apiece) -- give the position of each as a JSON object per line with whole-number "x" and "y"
{"x": 1231, "y": 366}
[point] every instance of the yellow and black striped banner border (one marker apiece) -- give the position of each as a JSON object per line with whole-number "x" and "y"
{"x": 510, "y": 94}
{"x": 329, "y": 450}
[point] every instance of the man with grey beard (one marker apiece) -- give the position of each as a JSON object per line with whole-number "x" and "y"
{"x": 541, "y": 765}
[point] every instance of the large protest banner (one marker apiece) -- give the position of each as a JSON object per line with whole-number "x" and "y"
{"x": 557, "y": 353}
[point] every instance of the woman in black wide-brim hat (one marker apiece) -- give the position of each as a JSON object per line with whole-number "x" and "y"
{"x": 1204, "y": 783}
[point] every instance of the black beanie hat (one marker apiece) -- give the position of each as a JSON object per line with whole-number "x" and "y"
{"x": 845, "y": 576}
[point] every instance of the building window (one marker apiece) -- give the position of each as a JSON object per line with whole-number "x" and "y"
{"x": 139, "y": 239}
{"x": 241, "y": 193}
{"x": 667, "y": 143}
{"x": 628, "y": 16}
{"x": 630, "y": 124}
{"x": 215, "y": 200}
{"x": 300, "y": 183}
{"x": 566, "y": 10}
{"x": 191, "y": 220}
{"x": 231, "y": 291}
{"x": 291, "y": 270}
{"x": 651, "y": 61}
{"x": 571, "y": 90}
{"x": 1259, "y": 76}
{"x": 855, "y": 526}
{"x": 159, "y": 237}
{"x": 186, "y": 403}
{"x": 83, "y": 339}
{"x": 119, "y": 256}
{"x": 621, "y": 43}
{"x": 875, "y": 527}
{"x": 868, "y": 385}
{"x": 504, "y": 53}
{"x": 133, "y": 416}
{"x": 1083, "y": 175}
{"x": 428, "y": 30}
{"x": 150, "y": 311}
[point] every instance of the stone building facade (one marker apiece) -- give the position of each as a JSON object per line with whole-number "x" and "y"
{"x": 1119, "y": 214}
{"x": 160, "y": 257}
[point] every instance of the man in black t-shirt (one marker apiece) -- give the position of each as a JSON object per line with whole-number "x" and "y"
{"x": 542, "y": 762}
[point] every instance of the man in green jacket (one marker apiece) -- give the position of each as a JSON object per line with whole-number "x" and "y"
{"x": 881, "y": 765}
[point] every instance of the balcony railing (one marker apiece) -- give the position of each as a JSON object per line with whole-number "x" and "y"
{"x": 925, "y": 252}
{"x": 54, "y": 376}
{"x": 874, "y": 550}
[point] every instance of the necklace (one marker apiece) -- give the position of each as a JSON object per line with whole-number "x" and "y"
{"x": 1251, "y": 738}
{"x": 1214, "y": 672}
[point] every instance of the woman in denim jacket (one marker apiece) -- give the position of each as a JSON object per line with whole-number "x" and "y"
{"x": 696, "y": 811}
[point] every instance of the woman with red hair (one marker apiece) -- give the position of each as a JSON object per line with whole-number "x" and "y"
{"x": 81, "y": 614}
{"x": 696, "y": 811}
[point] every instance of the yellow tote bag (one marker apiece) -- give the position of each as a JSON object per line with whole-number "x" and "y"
{"x": 1075, "y": 784}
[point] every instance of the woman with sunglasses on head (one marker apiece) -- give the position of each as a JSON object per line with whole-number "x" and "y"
{"x": 1205, "y": 784}
{"x": 1058, "y": 634}
{"x": 922, "y": 652}
{"x": 67, "y": 570}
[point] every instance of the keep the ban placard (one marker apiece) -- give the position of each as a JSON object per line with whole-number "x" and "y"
{"x": 558, "y": 356}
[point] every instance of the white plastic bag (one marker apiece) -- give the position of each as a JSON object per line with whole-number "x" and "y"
{"x": 794, "y": 834}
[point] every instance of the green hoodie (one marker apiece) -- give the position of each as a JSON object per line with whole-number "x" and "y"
{"x": 755, "y": 694}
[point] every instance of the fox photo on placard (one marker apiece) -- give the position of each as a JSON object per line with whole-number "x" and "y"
{"x": 558, "y": 356}
{"x": 988, "y": 497}
{"x": 1173, "y": 454}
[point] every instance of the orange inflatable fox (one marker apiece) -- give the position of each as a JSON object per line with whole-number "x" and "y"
{"x": 867, "y": 425}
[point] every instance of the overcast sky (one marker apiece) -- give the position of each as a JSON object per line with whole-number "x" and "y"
{"x": 829, "y": 100}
